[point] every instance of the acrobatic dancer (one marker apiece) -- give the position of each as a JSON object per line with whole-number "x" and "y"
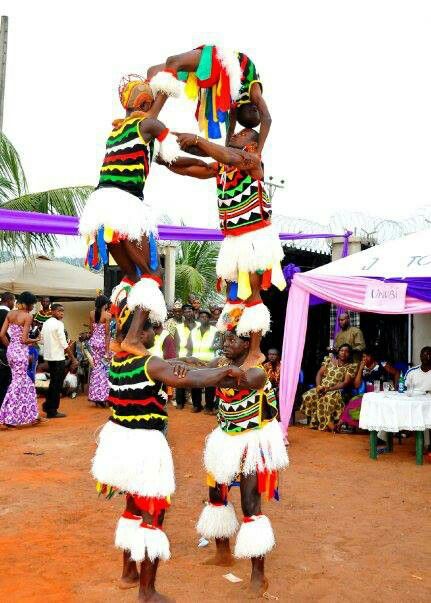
{"x": 226, "y": 85}
{"x": 116, "y": 219}
{"x": 247, "y": 447}
{"x": 251, "y": 252}
{"x": 133, "y": 456}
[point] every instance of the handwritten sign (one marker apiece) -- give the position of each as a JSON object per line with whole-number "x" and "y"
{"x": 389, "y": 297}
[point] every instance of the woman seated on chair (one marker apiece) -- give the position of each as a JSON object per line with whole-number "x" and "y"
{"x": 369, "y": 370}
{"x": 324, "y": 403}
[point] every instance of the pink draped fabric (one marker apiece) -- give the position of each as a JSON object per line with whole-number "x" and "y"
{"x": 348, "y": 292}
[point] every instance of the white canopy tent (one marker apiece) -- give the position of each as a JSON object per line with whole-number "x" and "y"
{"x": 391, "y": 278}
{"x": 43, "y": 276}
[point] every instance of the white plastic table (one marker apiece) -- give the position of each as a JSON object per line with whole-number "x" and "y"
{"x": 391, "y": 412}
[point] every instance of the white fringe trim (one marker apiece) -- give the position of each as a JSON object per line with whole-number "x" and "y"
{"x": 138, "y": 461}
{"x": 151, "y": 543}
{"x": 168, "y": 150}
{"x": 119, "y": 210}
{"x": 166, "y": 82}
{"x": 125, "y": 534}
{"x": 249, "y": 252}
{"x": 217, "y": 521}
{"x": 226, "y": 456}
{"x": 223, "y": 319}
{"x": 254, "y": 319}
{"x": 147, "y": 295}
{"x": 229, "y": 60}
{"x": 255, "y": 538}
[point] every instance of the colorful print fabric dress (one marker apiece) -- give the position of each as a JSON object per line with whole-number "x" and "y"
{"x": 98, "y": 388}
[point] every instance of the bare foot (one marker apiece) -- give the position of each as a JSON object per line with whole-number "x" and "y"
{"x": 253, "y": 359}
{"x": 221, "y": 560}
{"x": 128, "y": 582}
{"x": 154, "y": 597}
{"x": 258, "y": 587}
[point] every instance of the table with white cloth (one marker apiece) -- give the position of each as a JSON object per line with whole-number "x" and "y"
{"x": 393, "y": 412}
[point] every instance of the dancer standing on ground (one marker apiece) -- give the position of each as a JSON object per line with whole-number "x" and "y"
{"x": 251, "y": 252}
{"x": 226, "y": 84}
{"x": 100, "y": 318}
{"x": 7, "y": 304}
{"x": 116, "y": 218}
{"x": 133, "y": 456}
{"x": 20, "y": 404}
{"x": 248, "y": 447}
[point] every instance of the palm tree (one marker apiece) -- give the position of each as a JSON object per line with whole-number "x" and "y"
{"x": 196, "y": 270}
{"x": 14, "y": 195}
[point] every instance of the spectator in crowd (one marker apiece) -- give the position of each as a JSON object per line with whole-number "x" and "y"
{"x": 55, "y": 347}
{"x": 418, "y": 378}
{"x": 369, "y": 371}
{"x": 324, "y": 403}
{"x": 272, "y": 369}
{"x": 353, "y": 336}
{"x": 201, "y": 347}
{"x": 100, "y": 320}
{"x": 7, "y": 304}
{"x": 196, "y": 305}
{"x": 20, "y": 403}
{"x": 44, "y": 312}
{"x": 181, "y": 338}
{"x": 176, "y": 318}
{"x": 164, "y": 343}
{"x": 215, "y": 315}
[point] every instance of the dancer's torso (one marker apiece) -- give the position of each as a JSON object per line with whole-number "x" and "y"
{"x": 128, "y": 159}
{"x": 137, "y": 401}
{"x": 242, "y": 410}
{"x": 243, "y": 203}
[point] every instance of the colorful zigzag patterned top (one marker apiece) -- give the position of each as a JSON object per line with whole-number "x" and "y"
{"x": 137, "y": 401}
{"x": 250, "y": 76}
{"x": 128, "y": 159}
{"x": 246, "y": 409}
{"x": 243, "y": 203}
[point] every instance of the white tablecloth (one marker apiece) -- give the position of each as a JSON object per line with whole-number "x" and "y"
{"x": 391, "y": 411}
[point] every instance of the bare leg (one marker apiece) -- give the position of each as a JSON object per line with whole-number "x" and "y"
{"x": 147, "y": 583}
{"x": 187, "y": 61}
{"x": 223, "y": 556}
{"x": 252, "y": 505}
{"x": 255, "y": 356}
{"x": 139, "y": 254}
{"x": 130, "y": 575}
{"x": 120, "y": 255}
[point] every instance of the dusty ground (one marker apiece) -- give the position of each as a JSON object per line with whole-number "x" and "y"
{"x": 348, "y": 528}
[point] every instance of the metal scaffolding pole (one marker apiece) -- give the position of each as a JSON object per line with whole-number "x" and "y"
{"x": 3, "y": 57}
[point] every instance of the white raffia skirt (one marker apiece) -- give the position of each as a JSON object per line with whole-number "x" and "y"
{"x": 119, "y": 211}
{"x": 226, "y": 456}
{"x": 138, "y": 461}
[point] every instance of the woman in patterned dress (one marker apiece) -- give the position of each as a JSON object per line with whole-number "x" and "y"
{"x": 324, "y": 403}
{"x": 100, "y": 318}
{"x": 20, "y": 404}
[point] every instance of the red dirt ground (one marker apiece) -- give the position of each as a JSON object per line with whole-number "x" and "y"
{"x": 348, "y": 528}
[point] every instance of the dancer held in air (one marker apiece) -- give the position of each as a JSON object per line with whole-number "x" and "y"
{"x": 246, "y": 447}
{"x": 116, "y": 218}
{"x": 226, "y": 85}
{"x": 133, "y": 456}
{"x": 251, "y": 252}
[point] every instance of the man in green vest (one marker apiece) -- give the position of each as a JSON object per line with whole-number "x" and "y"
{"x": 200, "y": 346}
{"x": 181, "y": 338}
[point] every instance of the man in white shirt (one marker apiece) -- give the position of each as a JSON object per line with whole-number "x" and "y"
{"x": 55, "y": 347}
{"x": 418, "y": 378}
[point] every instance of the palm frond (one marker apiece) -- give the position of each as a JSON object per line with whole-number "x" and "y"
{"x": 196, "y": 269}
{"x": 63, "y": 201}
{"x": 11, "y": 169}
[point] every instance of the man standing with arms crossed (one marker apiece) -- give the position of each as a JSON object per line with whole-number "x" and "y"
{"x": 55, "y": 347}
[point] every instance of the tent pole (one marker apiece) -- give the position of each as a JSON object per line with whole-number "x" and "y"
{"x": 409, "y": 339}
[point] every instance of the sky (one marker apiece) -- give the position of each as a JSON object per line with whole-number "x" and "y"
{"x": 347, "y": 83}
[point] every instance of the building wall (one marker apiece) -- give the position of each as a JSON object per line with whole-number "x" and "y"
{"x": 421, "y": 334}
{"x": 76, "y": 314}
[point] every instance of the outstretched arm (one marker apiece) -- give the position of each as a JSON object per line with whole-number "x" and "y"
{"x": 236, "y": 157}
{"x": 164, "y": 372}
{"x": 187, "y": 61}
{"x": 185, "y": 166}
{"x": 265, "y": 116}
{"x": 151, "y": 128}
